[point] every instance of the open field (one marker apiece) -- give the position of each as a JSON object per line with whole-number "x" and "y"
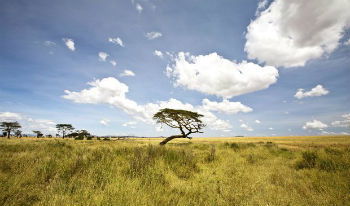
{"x": 201, "y": 171}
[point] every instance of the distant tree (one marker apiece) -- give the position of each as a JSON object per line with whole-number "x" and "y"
{"x": 64, "y": 129}
{"x": 80, "y": 134}
{"x": 18, "y": 133}
{"x": 49, "y": 136}
{"x": 38, "y": 133}
{"x": 9, "y": 127}
{"x": 186, "y": 121}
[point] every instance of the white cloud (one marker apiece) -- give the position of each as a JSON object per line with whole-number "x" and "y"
{"x": 319, "y": 90}
{"x": 112, "y": 92}
{"x": 257, "y": 121}
{"x": 225, "y": 106}
{"x": 107, "y": 91}
{"x": 129, "y": 124}
{"x": 49, "y": 43}
{"x": 69, "y": 43}
{"x": 270, "y": 128}
{"x": 347, "y": 43}
{"x": 291, "y": 32}
{"x": 261, "y": 5}
{"x": 28, "y": 124}
{"x": 315, "y": 124}
{"x": 103, "y": 56}
{"x": 117, "y": 41}
{"x": 213, "y": 74}
{"x": 345, "y": 122}
{"x": 10, "y": 116}
{"x": 153, "y": 35}
{"x": 138, "y": 7}
{"x": 105, "y": 122}
{"x": 127, "y": 73}
{"x": 158, "y": 53}
{"x": 114, "y": 63}
{"x": 246, "y": 127}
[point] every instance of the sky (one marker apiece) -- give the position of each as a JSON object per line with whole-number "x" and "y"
{"x": 252, "y": 68}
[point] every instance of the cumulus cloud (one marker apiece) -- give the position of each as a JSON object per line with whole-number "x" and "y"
{"x": 345, "y": 122}
{"x": 257, "y": 121}
{"x": 117, "y": 41}
{"x": 113, "y": 92}
{"x": 69, "y": 43}
{"x": 291, "y": 32}
{"x": 261, "y": 5}
{"x": 158, "y": 53}
{"x": 113, "y": 62}
{"x": 103, "y": 56}
{"x": 213, "y": 74}
{"x": 153, "y": 35}
{"x": 105, "y": 122}
{"x": 138, "y": 7}
{"x": 246, "y": 127}
{"x": 127, "y": 73}
{"x": 28, "y": 124}
{"x": 225, "y": 106}
{"x": 319, "y": 90}
{"x": 315, "y": 124}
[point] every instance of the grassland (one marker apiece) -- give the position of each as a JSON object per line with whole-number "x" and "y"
{"x": 202, "y": 171}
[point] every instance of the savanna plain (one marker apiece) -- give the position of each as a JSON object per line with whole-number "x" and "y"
{"x": 202, "y": 171}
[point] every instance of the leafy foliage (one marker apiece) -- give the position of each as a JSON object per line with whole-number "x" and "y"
{"x": 9, "y": 127}
{"x": 38, "y": 133}
{"x": 186, "y": 121}
{"x": 64, "y": 129}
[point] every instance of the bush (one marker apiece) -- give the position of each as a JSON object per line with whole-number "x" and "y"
{"x": 308, "y": 160}
{"x": 79, "y": 138}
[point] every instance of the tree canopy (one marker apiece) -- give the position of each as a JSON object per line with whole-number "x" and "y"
{"x": 64, "y": 129}
{"x": 38, "y": 133}
{"x": 187, "y": 122}
{"x": 9, "y": 127}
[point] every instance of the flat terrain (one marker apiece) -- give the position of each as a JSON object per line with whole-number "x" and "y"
{"x": 201, "y": 171}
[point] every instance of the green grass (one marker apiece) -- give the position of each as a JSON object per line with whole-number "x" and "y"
{"x": 199, "y": 172}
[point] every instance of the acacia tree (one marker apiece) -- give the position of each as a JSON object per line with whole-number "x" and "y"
{"x": 18, "y": 133}
{"x": 186, "y": 121}
{"x": 38, "y": 133}
{"x": 64, "y": 129}
{"x": 80, "y": 134}
{"x": 9, "y": 127}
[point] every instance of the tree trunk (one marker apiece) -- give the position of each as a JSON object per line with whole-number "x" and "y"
{"x": 8, "y": 135}
{"x": 170, "y": 138}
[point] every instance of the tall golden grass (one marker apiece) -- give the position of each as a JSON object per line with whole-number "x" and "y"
{"x": 203, "y": 171}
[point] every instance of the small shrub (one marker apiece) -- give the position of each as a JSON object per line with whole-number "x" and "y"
{"x": 233, "y": 146}
{"x": 89, "y": 138}
{"x": 327, "y": 165}
{"x": 106, "y": 139}
{"x": 308, "y": 160}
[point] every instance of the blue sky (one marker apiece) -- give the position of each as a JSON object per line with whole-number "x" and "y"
{"x": 240, "y": 63}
